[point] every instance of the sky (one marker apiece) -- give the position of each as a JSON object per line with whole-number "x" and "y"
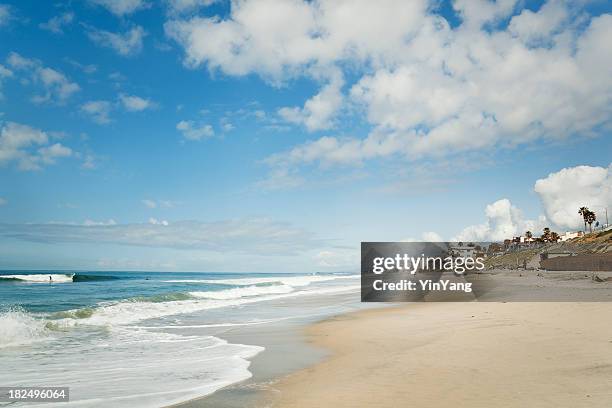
{"x": 276, "y": 135}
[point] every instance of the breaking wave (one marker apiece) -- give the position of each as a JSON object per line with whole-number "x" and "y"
{"x": 18, "y": 327}
{"x": 55, "y": 278}
{"x": 39, "y": 278}
{"x": 132, "y": 310}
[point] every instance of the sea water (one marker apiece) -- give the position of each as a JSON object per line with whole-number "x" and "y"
{"x": 144, "y": 339}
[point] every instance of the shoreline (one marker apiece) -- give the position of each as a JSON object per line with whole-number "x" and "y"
{"x": 457, "y": 354}
{"x": 286, "y": 350}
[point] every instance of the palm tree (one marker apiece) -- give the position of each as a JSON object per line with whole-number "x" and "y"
{"x": 590, "y": 219}
{"x": 528, "y": 235}
{"x": 584, "y": 211}
{"x": 554, "y": 237}
{"x": 546, "y": 234}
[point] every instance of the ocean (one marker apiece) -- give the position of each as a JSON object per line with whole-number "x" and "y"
{"x": 147, "y": 339}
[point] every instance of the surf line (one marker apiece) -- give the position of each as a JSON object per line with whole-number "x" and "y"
{"x": 422, "y": 284}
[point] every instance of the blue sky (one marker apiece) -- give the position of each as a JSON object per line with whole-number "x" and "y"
{"x": 269, "y": 135}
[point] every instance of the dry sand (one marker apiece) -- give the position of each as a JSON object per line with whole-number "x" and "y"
{"x": 460, "y": 355}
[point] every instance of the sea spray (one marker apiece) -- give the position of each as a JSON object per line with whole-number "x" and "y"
{"x": 18, "y": 327}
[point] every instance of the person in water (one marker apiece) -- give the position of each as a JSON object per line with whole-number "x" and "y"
{"x": 50, "y": 279}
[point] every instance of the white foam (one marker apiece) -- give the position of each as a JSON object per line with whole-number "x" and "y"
{"x": 128, "y": 312}
{"x": 134, "y": 368}
{"x": 41, "y": 278}
{"x": 243, "y": 291}
{"x": 18, "y": 328}
{"x": 296, "y": 281}
{"x": 127, "y": 365}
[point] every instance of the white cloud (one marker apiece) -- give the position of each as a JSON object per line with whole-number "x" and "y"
{"x": 150, "y": 203}
{"x": 564, "y": 192}
{"x": 504, "y": 221}
{"x": 126, "y": 44}
{"x": 431, "y": 236}
{"x": 5, "y": 14}
{"x": 57, "y": 88}
{"x": 475, "y": 13}
{"x": 276, "y": 38}
{"x": 86, "y": 68}
{"x": 28, "y": 147}
{"x": 92, "y": 223}
{"x": 121, "y": 7}
{"x": 19, "y": 62}
{"x": 135, "y": 103}
{"x": 155, "y": 221}
{"x": 159, "y": 203}
{"x": 318, "y": 112}
{"x": 49, "y": 154}
{"x": 56, "y": 24}
{"x": 191, "y": 131}
{"x": 534, "y": 28}
{"x": 279, "y": 179}
{"x": 99, "y": 111}
{"x": 186, "y": 6}
{"x": 89, "y": 162}
{"x": 255, "y": 235}
{"x": 345, "y": 259}
{"x": 3, "y": 201}
{"x": 505, "y": 76}
{"x": 4, "y": 74}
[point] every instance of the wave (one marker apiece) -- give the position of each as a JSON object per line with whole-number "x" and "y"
{"x": 78, "y": 277}
{"x": 55, "y": 278}
{"x": 39, "y": 278}
{"x": 178, "y": 368}
{"x": 131, "y": 311}
{"x": 17, "y": 328}
{"x": 296, "y": 281}
{"x": 241, "y": 292}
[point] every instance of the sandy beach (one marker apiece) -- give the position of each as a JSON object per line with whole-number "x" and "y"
{"x": 458, "y": 354}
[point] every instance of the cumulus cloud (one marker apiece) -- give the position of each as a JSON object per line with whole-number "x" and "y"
{"x": 29, "y": 147}
{"x": 98, "y": 110}
{"x": 192, "y": 131}
{"x": 538, "y": 27}
{"x": 262, "y": 236}
{"x": 155, "y": 221}
{"x": 505, "y": 76}
{"x": 135, "y": 103}
{"x": 564, "y": 192}
{"x": 431, "y": 236}
{"x": 56, "y": 24}
{"x": 57, "y": 88}
{"x": 318, "y": 111}
{"x": 121, "y": 7}
{"x": 276, "y": 38}
{"x": 125, "y": 44}
{"x": 504, "y": 221}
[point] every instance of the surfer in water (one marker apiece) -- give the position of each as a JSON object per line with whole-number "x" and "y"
{"x": 50, "y": 279}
